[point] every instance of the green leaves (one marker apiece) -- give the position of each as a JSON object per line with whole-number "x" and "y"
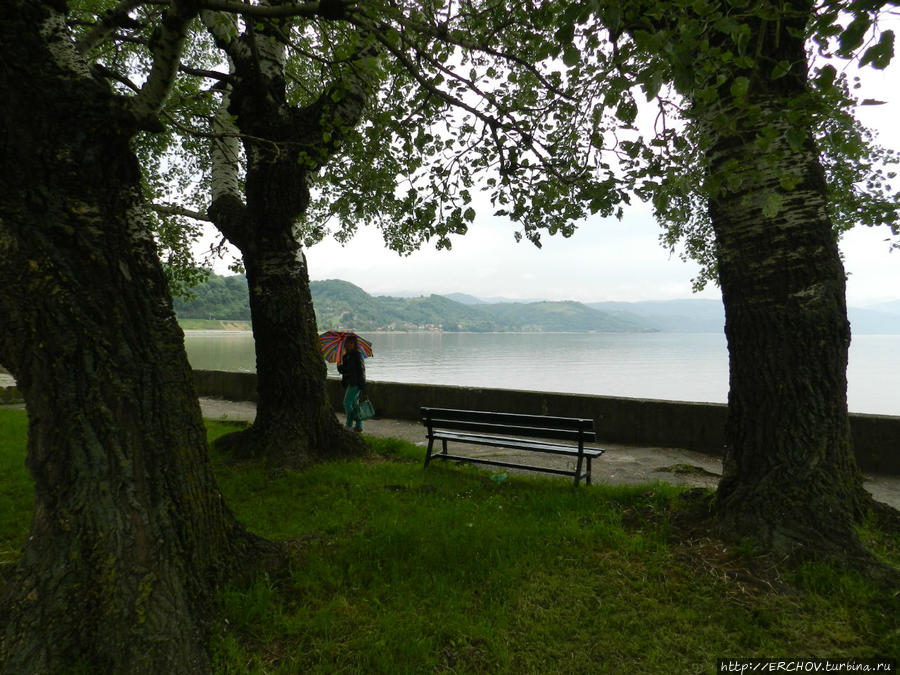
{"x": 852, "y": 36}
{"x": 627, "y": 110}
{"x": 571, "y": 55}
{"x": 739, "y": 87}
{"x": 532, "y": 104}
{"x": 826, "y": 77}
{"x": 861, "y": 29}
{"x": 651, "y": 82}
{"x": 880, "y": 54}
{"x": 772, "y": 202}
{"x": 780, "y": 69}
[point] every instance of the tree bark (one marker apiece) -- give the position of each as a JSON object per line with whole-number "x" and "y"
{"x": 790, "y": 480}
{"x": 295, "y": 423}
{"x": 129, "y": 537}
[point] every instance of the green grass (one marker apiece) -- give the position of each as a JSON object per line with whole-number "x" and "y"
{"x": 396, "y": 569}
{"x": 16, "y": 488}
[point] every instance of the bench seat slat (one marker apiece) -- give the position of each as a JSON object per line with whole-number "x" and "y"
{"x": 439, "y": 415}
{"x": 531, "y": 431}
{"x": 506, "y": 465}
{"x": 515, "y": 443}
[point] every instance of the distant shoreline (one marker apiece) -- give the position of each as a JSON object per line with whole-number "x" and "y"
{"x": 236, "y": 327}
{"x": 214, "y": 324}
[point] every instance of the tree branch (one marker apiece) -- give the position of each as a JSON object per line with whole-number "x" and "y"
{"x": 201, "y": 72}
{"x": 225, "y": 151}
{"x": 491, "y": 121}
{"x": 223, "y": 28}
{"x": 102, "y": 70}
{"x": 307, "y": 9}
{"x": 173, "y": 210}
{"x": 114, "y": 18}
{"x": 165, "y": 46}
{"x": 443, "y": 35}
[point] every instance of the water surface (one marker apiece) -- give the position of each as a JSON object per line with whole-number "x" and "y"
{"x": 669, "y": 366}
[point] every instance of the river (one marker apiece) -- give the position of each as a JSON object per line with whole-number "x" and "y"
{"x": 669, "y": 366}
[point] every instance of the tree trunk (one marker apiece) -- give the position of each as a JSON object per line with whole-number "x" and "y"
{"x": 295, "y": 422}
{"x": 790, "y": 479}
{"x": 129, "y": 536}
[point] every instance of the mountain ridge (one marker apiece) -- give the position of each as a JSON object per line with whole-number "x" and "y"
{"x": 341, "y": 304}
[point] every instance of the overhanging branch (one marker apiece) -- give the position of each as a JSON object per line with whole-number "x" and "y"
{"x": 166, "y": 47}
{"x": 172, "y": 210}
{"x": 113, "y": 19}
{"x": 306, "y": 9}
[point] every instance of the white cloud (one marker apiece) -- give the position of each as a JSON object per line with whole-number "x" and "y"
{"x": 603, "y": 260}
{"x": 873, "y": 269}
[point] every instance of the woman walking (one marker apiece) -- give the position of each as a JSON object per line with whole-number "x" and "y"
{"x": 353, "y": 379}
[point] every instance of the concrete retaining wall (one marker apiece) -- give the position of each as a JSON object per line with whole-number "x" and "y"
{"x": 10, "y": 395}
{"x": 629, "y": 421}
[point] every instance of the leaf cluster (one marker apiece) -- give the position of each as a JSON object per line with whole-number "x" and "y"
{"x": 554, "y": 111}
{"x": 704, "y": 63}
{"x": 491, "y": 97}
{"x": 471, "y": 96}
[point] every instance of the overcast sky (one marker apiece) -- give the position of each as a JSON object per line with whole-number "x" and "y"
{"x": 605, "y": 259}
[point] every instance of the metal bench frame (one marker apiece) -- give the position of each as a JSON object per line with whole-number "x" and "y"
{"x": 513, "y": 431}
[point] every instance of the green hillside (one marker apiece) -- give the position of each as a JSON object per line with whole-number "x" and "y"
{"x": 216, "y": 298}
{"x": 561, "y": 316}
{"x": 340, "y": 304}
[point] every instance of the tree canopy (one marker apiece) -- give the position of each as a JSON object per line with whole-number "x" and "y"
{"x": 545, "y": 107}
{"x": 696, "y": 62}
{"x": 466, "y": 97}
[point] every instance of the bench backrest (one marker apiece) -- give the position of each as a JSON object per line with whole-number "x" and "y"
{"x": 510, "y": 424}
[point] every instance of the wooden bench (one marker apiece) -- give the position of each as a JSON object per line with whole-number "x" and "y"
{"x": 517, "y": 432}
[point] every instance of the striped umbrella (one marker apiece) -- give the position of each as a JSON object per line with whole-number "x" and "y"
{"x": 332, "y": 344}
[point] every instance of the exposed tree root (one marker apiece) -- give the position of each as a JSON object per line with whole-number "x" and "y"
{"x": 293, "y": 447}
{"x": 742, "y": 554}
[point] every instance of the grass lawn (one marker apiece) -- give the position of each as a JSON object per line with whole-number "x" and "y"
{"x": 400, "y": 570}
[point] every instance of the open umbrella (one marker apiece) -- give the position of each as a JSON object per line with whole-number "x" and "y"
{"x": 332, "y": 344}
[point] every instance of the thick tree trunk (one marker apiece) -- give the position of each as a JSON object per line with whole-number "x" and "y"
{"x": 790, "y": 479}
{"x": 129, "y": 536}
{"x": 292, "y": 405}
{"x": 295, "y": 422}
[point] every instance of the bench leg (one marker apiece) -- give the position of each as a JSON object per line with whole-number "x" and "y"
{"x": 588, "y": 477}
{"x": 578, "y": 465}
{"x": 428, "y": 453}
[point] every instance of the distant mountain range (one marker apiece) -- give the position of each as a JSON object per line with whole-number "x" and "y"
{"x": 340, "y": 304}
